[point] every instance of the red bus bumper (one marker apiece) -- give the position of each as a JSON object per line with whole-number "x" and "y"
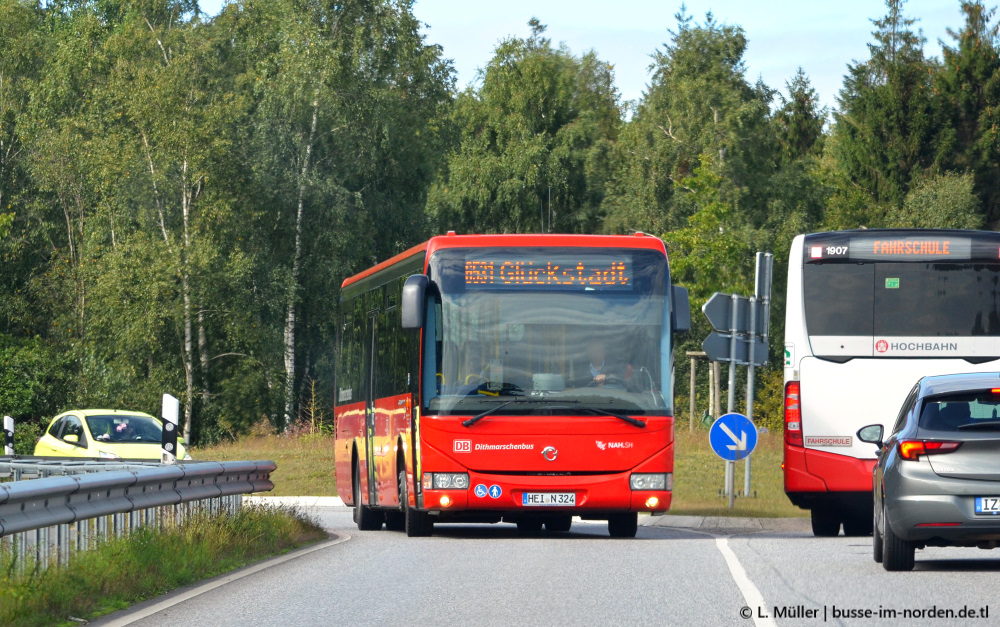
{"x": 594, "y": 494}
{"x": 810, "y": 474}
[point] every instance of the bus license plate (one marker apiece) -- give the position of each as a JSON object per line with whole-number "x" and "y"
{"x": 548, "y": 499}
{"x": 989, "y": 505}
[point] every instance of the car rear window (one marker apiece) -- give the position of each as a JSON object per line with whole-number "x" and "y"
{"x": 950, "y": 412}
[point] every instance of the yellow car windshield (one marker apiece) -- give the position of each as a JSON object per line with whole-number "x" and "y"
{"x": 125, "y": 428}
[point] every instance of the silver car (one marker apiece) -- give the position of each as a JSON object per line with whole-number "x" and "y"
{"x": 937, "y": 478}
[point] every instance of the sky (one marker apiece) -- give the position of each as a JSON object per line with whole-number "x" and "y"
{"x": 821, "y": 37}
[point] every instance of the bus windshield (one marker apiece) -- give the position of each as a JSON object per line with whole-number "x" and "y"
{"x": 573, "y": 329}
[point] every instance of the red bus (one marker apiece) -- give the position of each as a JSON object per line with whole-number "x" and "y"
{"x": 515, "y": 378}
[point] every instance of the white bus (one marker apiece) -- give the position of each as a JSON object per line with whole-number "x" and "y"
{"x": 868, "y": 313}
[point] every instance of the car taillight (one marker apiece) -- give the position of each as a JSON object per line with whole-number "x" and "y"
{"x": 793, "y": 414}
{"x": 913, "y": 449}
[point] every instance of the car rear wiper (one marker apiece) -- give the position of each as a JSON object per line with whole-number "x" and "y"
{"x": 471, "y": 421}
{"x": 629, "y": 419}
{"x": 982, "y": 424}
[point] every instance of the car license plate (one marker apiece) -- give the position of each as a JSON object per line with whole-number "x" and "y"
{"x": 988, "y": 505}
{"x": 548, "y": 499}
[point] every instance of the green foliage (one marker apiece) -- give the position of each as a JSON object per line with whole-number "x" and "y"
{"x": 885, "y": 122}
{"x": 534, "y": 143}
{"x": 946, "y": 201}
{"x": 699, "y": 103}
{"x": 968, "y": 85}
{"x": 146, "y": 563}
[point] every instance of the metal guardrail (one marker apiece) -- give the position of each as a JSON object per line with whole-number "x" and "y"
{"x": 50, "y": 509}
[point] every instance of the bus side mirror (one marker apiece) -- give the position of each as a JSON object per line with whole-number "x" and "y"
{"x": 414, "y": 301}
{"x": 680, "y": 313}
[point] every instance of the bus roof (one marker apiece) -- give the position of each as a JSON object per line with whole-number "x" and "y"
{"x": 451, "y": 240}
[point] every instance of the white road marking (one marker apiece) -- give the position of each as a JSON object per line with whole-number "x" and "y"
{"x": 751, "y": 595}
{"x": 240, "y": 574}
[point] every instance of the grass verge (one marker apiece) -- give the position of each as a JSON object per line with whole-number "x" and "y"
{"x": 147, "y": 563}
{"x": 305, "y": 462}
{"x": 699, "y": 475}
{"x": 305, "y": 468}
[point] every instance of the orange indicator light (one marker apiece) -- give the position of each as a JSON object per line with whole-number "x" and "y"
{"x": 445, "y": 501}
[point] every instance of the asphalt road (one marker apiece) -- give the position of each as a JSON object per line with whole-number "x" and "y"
{"x": 488, "y": 575}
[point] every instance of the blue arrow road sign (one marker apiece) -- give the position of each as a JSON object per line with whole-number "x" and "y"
{"x": 733, "y": 437}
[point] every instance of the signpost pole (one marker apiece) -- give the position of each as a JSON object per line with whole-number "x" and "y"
{"x": 731, "y": 401}
{"x": 694, "y": 360}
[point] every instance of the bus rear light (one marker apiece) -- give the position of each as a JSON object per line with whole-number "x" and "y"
{"x": 793, "y": 414}
{"x": 912, "y": 449}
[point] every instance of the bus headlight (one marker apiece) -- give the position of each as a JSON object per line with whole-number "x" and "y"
{"x": 446, "y": 480}
{"x": 651, "y": 481}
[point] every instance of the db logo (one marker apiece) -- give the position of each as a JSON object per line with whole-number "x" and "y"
{"x": 463, "y": 446}
{"x": 881, "y": 346}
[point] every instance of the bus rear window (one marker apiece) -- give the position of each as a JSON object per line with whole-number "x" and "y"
{"x": 838, "y": 298}
{"x": 900, "y": 299}
{"x": 937, "y": 299}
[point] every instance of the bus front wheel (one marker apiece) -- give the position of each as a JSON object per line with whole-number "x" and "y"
{"x": 415, "y": 522}
{"x": 623, "y": 525}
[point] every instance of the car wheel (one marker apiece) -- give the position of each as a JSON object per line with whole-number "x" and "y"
{"x": 366, "y": 518}
{"x": 623, "y": 525}
{"x": 876, "y": 536}
{"x": 416, "y": 523}
{"x": 559, "y": 524}
{"x": 825, "y": 523}
{"x": 897, "y": 554}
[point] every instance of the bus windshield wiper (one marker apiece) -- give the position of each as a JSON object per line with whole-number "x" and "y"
{"x": 603, "y": 412}
{"x": 984, "y": 424}
{"x": 471, "y": 421}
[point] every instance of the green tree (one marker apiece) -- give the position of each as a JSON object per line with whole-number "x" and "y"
{"x": 885, "y": 124}
{"x": 800, "y": 119}
{"x": 945, "y": 201}
{"x": 699, "y": 103}
{"x": 968, "y": 84}
{"x": 534, "y": 142}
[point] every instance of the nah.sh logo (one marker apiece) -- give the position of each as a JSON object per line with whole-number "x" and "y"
{"x": 463, "y": 446}
{"x": 613, "y": 445}
{"x": 881, "y": 346}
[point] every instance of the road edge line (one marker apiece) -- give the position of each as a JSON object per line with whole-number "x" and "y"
{"x": 218, "y": 583}
{"x": 751, "y": 595}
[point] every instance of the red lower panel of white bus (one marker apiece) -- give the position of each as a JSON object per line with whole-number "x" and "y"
{"x": 809, "y": 470}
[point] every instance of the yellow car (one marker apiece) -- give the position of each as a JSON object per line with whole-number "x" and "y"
{"x": 105, "y": 434}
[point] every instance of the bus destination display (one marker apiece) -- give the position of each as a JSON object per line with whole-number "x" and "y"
{"x": 558, "y": 271}
{"x": 895, "y": 247}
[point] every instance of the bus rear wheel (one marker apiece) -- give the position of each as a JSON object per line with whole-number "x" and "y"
{"x": 366, "y": 518}
{"x": 825, "y": 522}
{"x": 623, "y": 525}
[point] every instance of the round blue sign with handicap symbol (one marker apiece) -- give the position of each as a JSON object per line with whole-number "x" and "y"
{"x": 481, "y": 491}
{"x": 733, "y": 437}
